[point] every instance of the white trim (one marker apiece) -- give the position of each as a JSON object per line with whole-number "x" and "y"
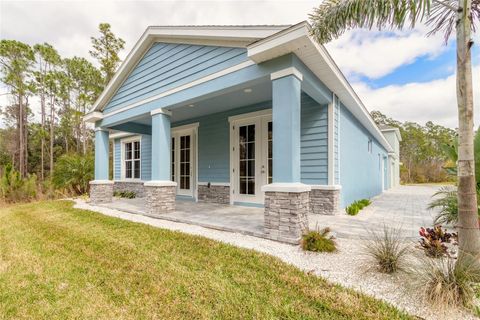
{"x": 339, "y": 141}
{"x": 331, "y": 141}
{"x": 129, "y": 181}
{"x": 295, "y": 187}
{"x": 101, "y": 182}
{"x": 93, "y": 117}
{"x": 101, "y": 129}
{"x": 260, "y": 119}
{"x": 286, "y": 72}
{"x": 210, "y": 77}
{"x": 191, "y": 126}
{"x": 255, "y": 114}
{"x": 160, "y": 183}
{"x": 117, "y": 135}
{"x": 192, "y": 131}
{"x": 215, "y": 184}
{"x": 162, "y": 111}
{"x": 113, "y": 159}
{"x": 326, "y": 187}
{"x": 397, "y": 132}
{"x": 130, "y": 139}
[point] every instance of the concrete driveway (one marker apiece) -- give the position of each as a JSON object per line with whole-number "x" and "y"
{"x": 403, "y": 207}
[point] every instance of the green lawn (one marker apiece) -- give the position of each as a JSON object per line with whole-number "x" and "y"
{"x": 57, "y": 262}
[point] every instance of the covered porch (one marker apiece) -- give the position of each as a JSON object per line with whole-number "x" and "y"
{"x": 262, "y": 139}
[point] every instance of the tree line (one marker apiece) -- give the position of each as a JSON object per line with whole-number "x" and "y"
{"x": 424, "y": 154}
{"x": 59, "y": 91}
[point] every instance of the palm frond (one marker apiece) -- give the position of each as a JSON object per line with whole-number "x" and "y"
{"x": 333, "y": 17}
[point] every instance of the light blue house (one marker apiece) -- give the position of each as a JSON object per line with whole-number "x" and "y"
{"x": 239, "y": 115}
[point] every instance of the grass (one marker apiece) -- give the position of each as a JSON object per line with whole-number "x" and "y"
{"x": 386, "y": 250}
{"x": 57, "y": 262}
{"x": 446, "y": 282}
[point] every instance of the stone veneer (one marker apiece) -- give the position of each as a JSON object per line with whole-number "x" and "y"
{"x": 214, "y": 193}
{"x": 325, "y": 200}
{"x": 101, "y": 191}
{"x": 135, "y": 186}
{"x": 286, "y": 215}
{"x": 160, "y": 197}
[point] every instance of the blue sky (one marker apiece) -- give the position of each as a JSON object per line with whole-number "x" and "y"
{"x": 404, "y": 74}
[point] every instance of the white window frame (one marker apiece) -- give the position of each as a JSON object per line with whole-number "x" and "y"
{"x": 122, "y": 148}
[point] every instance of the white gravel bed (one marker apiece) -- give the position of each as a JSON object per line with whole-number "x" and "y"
{"x": 346, "y": 267}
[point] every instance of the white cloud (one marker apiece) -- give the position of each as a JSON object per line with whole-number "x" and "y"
{"x": 420, "y": 102}
{"x": 375, "y": 54}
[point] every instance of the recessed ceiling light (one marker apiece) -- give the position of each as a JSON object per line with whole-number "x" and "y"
{"x": 248, "y": 90}
{"x": 191, "y": 105}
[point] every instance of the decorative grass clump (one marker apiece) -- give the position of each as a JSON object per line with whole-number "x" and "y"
{"x": 446, "y": 282}
{"x": 387, "y": 250}
{"x": 354, "y": 208}
{"x": 125, "y": 194}
{"x": 318, "y": 241}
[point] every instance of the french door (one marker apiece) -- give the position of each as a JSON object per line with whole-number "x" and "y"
{"x": 252, "y": 158}
{"x": 183, "y": 162}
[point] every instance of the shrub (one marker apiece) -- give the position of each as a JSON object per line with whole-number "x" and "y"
{"x": 318, "y": 241}
{"x": 387, "y": 250}
{"x": 447, "y": 282}
{"x": 445, "y": 199}
{"x": 14, "y": 189}
{"x": 352, "y": 209}
{"x": 125, "y": 194}
{"x": 74, "y": 172}
{"x": 355, "y": 207}
{"x": 364, "y": 203}
{"x": 434, "y": 240}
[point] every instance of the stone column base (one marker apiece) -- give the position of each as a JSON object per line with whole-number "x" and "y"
{"x": 214, "y": 193}
{"x": 160, "y": 197}
{"x": 325, "y": 199}
{"x": 101, "y": 191}
{"x": 286, "y": 210}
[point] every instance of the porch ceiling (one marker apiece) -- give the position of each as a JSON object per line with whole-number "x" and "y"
{"x": 260, "y": 92}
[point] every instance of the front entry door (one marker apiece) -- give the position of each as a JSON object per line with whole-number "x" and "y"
{"x": 252, "y": 158}
{"x": 183, "y": 162}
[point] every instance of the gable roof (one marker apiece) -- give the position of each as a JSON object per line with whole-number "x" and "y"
{"x": 263, "y": 42}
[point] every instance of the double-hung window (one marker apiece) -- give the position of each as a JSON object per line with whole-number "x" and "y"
{"x": 132, "y": 159}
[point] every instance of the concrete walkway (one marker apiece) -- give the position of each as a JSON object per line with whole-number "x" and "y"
{"x": 403, "y": 207}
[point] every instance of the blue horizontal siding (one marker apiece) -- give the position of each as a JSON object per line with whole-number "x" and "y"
{"x": 361, "y": 175}
{"x": 314, "y": 139}
{"x": 166, "y": 66}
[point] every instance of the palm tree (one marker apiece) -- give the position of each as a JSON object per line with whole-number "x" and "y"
{"x": 333, "y": 17}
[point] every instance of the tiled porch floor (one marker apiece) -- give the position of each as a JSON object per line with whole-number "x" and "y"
{"x": 245, "y": 220}
{"x": 402, "y": 207}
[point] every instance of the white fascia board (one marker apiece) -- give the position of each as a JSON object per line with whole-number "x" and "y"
{"x": 268, "y": 48}
{"x": 226, "y": 36}
{"x": 93, "y": 117}
{"x": 396, "y": 130}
